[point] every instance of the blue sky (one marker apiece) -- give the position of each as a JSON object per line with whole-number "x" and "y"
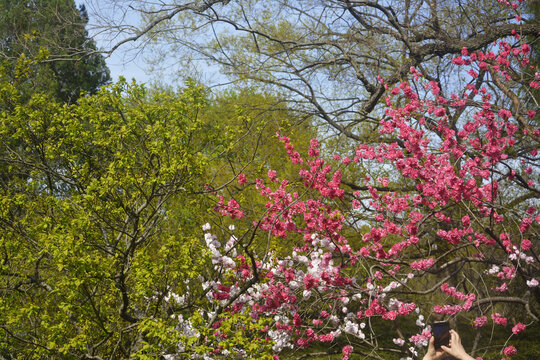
{"x": 125, "y": 61}
{"x": 129, "y": 59}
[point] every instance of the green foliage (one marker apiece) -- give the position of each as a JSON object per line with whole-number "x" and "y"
{"x": 86, "y": 248}
{"x": 54, "y": 33}
{"x": 101, "y": 204}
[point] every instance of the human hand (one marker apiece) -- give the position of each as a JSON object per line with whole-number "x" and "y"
{"x": 432, "y": 353}
{"x": 455, "y": 348}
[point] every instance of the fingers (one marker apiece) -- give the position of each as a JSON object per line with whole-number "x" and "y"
{"x": 454, "y": 337}
{"x": 431, "y": 346}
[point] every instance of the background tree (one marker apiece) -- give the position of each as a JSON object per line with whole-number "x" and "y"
{"x": 326, "y": 55}
{"x": 102, "y": 203}
{"x": 69, "y": 64}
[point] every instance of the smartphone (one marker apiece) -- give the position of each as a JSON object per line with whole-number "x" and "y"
{"x": 441, "y": 333}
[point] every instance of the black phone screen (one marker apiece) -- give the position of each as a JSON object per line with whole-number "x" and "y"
{"x": 441, "y": 333}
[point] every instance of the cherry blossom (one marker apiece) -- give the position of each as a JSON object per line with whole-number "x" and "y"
{"x": 519, "y": 327}
{"x": 427, "y": 238}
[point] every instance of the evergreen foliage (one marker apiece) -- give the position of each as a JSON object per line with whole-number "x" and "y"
{"x": 69, "y": 64}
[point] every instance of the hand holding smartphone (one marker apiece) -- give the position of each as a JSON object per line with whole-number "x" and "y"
{"x": 441, "y": 333}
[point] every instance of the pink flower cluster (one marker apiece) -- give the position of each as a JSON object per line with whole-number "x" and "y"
{"x": 232, "y": 208}
{"x": 422, "y": 264}
{"x": 347, "y": 351}
{"x": 479, "y": 322}
{"x": 447, "y": 309}
{"x": 422, "y": 339}
{"x": 499, "y": 319}
{"x": 509, "y": 351}
{"x": 519, "y": 327}
{"x": 454, "y": 309}
{"x": 242, "y": 179}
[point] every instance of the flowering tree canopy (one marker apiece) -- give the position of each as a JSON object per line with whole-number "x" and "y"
{"x": 428, "y": 210}
{"x": 449, "y": 231}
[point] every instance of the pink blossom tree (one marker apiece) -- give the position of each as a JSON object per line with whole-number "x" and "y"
{"x": 443, "y": 223}
{"x": 451, "y": 231}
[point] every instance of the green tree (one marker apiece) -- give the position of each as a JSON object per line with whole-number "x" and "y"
{"x": 101, "y": 206}
{"x": 70, "y": 64}
{"x": 83, "y": 216}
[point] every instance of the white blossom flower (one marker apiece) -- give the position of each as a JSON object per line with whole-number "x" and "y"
{"x": 370, "y": 286}
{"x": 281, "y": 340}
{"x": 351, "y": 328}
{"x": 494, "y": 270}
